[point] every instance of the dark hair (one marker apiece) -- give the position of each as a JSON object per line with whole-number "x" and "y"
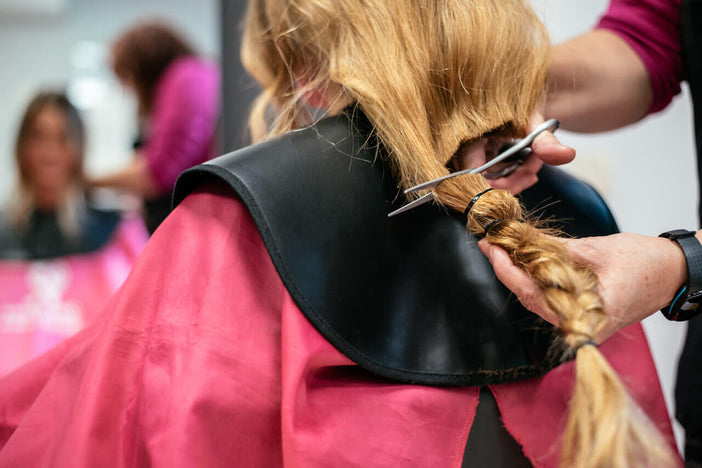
{"x": 74, "y": 125}
{"x": 142, "y": 53}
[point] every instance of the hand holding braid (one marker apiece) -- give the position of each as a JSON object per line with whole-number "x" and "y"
{"x": 605, "y": 427}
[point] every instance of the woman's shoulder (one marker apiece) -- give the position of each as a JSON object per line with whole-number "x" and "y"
{"x": 190, "y": 79}
{"x": 97, "y": 228}
{"x": 188, "y": 69}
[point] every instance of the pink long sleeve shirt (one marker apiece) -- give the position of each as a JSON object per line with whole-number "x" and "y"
{"x": 652, "y": 29}
{"x": 183, "y": 120}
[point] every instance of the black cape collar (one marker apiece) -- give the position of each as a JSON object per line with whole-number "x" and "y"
{"x": 410, "y": 298}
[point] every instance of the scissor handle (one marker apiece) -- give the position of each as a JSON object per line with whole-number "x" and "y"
{"x": 550, "y": 125}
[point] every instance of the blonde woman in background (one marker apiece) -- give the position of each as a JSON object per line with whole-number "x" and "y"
{"x": 48, "y": 215}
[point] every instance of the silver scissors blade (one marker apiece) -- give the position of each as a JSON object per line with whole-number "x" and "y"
{"x": 515, "y": 161}
{"x": 550, "y": 125}
{"x": 426, "y": 198}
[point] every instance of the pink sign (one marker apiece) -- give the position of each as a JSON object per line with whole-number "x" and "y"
{"x": 44, "y": 302}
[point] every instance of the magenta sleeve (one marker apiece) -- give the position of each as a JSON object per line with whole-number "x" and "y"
{"x": 652, "y": 29}
{"x": 183, "y": 120}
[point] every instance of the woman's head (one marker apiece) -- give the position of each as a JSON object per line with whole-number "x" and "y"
{"x": 429, "y": 75}
{"x": 49, "y": 148}
{"x": 142, "y": 53}
{"x": 49, "y": 153}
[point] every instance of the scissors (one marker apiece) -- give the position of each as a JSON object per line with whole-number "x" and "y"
{"x": 516, "y": 154}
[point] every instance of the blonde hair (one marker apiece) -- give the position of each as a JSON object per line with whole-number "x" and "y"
{"x": 432, "y": 75}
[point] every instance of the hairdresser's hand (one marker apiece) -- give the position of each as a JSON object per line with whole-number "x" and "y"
{"x": 545, "y": 149}
{"x": 135, "y": 178}
{"x": 638, "y": 275}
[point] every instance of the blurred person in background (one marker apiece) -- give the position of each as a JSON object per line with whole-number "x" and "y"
{"x": 60, "y": 258}
{"x": 177, "y": 95}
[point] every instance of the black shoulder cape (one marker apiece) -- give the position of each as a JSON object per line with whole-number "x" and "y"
{"x": 409, "y": 298}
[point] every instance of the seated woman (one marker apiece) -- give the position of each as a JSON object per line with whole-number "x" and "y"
{"x": 60, "y": 258}
{"x": 279, "y": 317}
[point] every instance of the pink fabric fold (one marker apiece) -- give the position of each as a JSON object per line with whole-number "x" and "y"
{"x": 336, "y": 414}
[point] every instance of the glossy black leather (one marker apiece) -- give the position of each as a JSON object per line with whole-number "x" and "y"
{"x": 411, "y": 297}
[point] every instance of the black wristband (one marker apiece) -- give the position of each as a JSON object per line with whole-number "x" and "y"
{"x": 687, "y": 302}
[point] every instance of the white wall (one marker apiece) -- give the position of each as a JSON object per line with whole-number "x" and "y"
{"x": 646, "y": 172}
{"x": 39, "y": 50}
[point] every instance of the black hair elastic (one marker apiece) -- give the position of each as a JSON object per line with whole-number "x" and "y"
{"x": 474, "y": 200}
{"x": 491, "y": 225}
{"x": 494, "y": 223}
{"x": 584, "y": 343}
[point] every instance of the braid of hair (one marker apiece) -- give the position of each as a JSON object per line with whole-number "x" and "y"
{"x": 605, "y": 427}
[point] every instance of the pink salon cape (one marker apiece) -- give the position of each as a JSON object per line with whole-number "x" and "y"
{"x": 44, "y": 302}
{"x": 202, "y": 359}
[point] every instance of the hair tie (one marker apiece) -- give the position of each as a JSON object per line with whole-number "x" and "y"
{"x": 474, "y": 200}
{"x": 494, "y": 223}
{"x": 491, "y": 225}
{"x": 583, "y": 343}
